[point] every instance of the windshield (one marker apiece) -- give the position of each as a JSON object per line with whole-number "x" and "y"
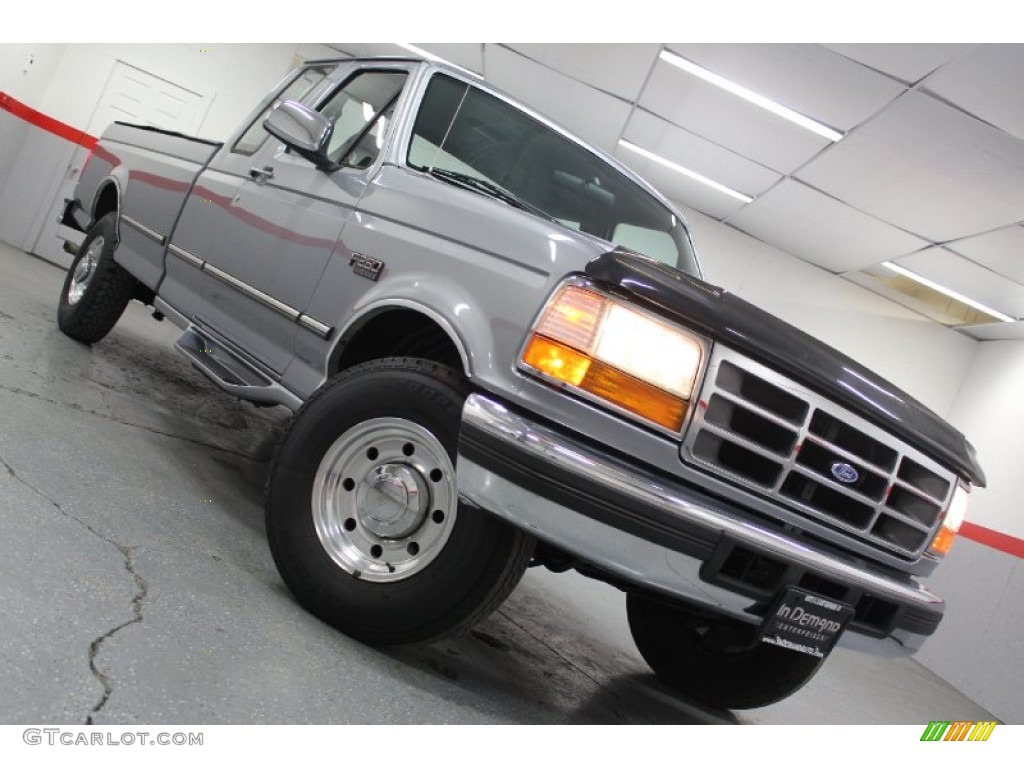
{"x": 463, "y": 134}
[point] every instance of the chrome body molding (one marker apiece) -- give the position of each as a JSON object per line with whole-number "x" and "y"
{"x": 152, "y": 234}
{"x": 320, "y": 329}
{"x": 263, "y": 298}
{"x": 636, "y": 560}
{"x": 186, "y": 256}
{"x": 307, "y": 322}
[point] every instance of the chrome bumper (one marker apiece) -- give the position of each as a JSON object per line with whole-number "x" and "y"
{"x": 670, "y": 563}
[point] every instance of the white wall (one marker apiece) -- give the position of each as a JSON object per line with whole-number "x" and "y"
{"x": 27, "y": 82}
{"x": 979, "y": 648}
{"x": 65, "y": 82}
{"x": 990, "y": 408}
{"x": 232, "y": 77}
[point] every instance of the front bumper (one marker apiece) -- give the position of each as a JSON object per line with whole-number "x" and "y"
{"x": 652, "y": 531}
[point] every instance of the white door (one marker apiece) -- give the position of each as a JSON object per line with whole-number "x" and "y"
{"x": 135, "y": 96}
{"x": 131, "y": 95}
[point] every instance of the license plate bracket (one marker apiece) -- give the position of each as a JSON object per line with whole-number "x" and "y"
{"x": 805, "y": 622}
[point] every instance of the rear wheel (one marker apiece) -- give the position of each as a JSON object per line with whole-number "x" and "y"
{"x": 716, "y": 662}
{"x": 96, "y": 289}
{"x": 363, "y": 518}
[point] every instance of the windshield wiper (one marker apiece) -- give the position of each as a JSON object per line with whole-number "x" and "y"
{"x": 488, "y": 188}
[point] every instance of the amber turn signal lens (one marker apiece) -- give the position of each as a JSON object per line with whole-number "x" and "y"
{"x": 556, "y": 360}
{"x": 943, "y": 541}
{"x": 564, "y": 364}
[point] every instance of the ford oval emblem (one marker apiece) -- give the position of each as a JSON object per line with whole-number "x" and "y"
{"x": 845, "y": 473}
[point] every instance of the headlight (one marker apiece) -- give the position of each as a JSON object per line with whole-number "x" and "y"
{"x": 618, "y": 354}
{"x": 951, "y": 522}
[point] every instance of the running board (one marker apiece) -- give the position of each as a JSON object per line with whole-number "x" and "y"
{"x": 230, "y": 371}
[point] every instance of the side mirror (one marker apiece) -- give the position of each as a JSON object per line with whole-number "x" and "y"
{"x": 304, "y": 130}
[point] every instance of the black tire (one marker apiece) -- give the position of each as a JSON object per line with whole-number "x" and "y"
{"x": 96, "y": 289}
{"x": 386, "y": 596}
{"x": 715, "y": 662}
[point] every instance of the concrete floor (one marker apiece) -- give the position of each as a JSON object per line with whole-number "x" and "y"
{"x": 136, "y": 585}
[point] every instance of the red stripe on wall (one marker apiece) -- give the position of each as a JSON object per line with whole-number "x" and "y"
{"x": 1011, "y": 545}
{"x": 47, "y": 123}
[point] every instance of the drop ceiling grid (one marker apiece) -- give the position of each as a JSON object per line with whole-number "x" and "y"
{"x": 949, "y": 269}
{"x": 1001, "y": 250}
{"x": 810, "y": 79}
{"x": 821, "y": 229}
{"x": 927, "y": 168}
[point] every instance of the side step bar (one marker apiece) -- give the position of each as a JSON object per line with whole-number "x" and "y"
{"x": 230, "y": 371}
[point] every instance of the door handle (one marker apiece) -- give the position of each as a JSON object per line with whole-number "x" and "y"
{"x": 260, "y": 175}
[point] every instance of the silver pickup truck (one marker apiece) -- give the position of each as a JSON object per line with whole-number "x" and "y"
{"x": 500, "y": 351}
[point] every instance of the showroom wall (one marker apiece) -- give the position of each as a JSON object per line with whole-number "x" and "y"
{"x": 979, "y": 646}
{"x": 66, "y": 83}
{"x": 972, "y": 383}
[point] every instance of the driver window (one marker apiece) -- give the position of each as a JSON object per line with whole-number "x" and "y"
{"x": 361, "y": 111}
{"x": 297, "y": 89}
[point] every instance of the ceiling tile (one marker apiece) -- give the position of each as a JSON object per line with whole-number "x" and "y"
{"x": 810, "y": 79}
{"x": 620, "y": 69}
{"x": 1002, "y": 251}
{"x": 686, "y": 192}
{"x": 907, "y": 62}
{"x": 822, "y": 230}
{"x": 987, "y": 81}
{"x": 590, "y": 114}
{"x": 698, "y": 154}
{"x": 931, "y": 311}
{"x": 927, "y": 168}
{"x": 728, "y": 120}
{"x": 965, "y": 277}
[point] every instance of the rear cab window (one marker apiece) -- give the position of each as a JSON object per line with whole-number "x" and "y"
{"x": 467, "y": 135}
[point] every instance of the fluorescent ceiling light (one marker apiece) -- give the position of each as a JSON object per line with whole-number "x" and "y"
{"x": 754, "y": 98}
{"x": 432, "y": 57}
{"x": 685, "y": 171}
{"x": 948, "y": 292}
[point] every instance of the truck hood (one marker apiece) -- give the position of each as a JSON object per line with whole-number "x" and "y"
{"x": 740, "y": 325}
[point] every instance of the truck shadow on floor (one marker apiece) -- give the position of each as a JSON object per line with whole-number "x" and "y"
{"x": 500, "y": 670}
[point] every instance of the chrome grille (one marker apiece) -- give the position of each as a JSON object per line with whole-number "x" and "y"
{"x": 765, "y": 432}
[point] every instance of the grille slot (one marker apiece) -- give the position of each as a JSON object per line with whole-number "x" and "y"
{"x": 760, "y": 430}
{"x": 735, "y": 458}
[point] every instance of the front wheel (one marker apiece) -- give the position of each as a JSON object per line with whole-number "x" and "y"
{"x": 96, "y": 289}
{"x": 716, "y": 662}
{"x": 363, "y": 517}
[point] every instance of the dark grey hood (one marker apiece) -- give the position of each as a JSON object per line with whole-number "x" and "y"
{"x": 723, "y": 317}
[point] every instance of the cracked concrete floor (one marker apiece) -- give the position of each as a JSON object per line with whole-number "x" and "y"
{"x": 136, "y": 585}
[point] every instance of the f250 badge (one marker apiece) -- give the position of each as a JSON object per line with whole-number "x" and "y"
{"x": 366, "y": 266}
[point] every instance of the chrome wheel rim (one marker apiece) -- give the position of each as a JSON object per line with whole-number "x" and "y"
{"x": 84, "y": 271}
{"x": 384, "y": 499}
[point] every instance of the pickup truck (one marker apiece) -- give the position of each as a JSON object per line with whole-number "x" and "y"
{"x": 500, "y": 352}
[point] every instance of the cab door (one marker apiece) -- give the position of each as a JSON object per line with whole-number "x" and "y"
{"x": 263, "y": 226}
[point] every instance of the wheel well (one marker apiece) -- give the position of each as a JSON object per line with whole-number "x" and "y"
{"x": 398, "y": 333}
{"x": 106, "y": 203}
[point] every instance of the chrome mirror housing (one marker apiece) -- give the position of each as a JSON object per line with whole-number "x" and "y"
{"x": 304, "y": 130}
